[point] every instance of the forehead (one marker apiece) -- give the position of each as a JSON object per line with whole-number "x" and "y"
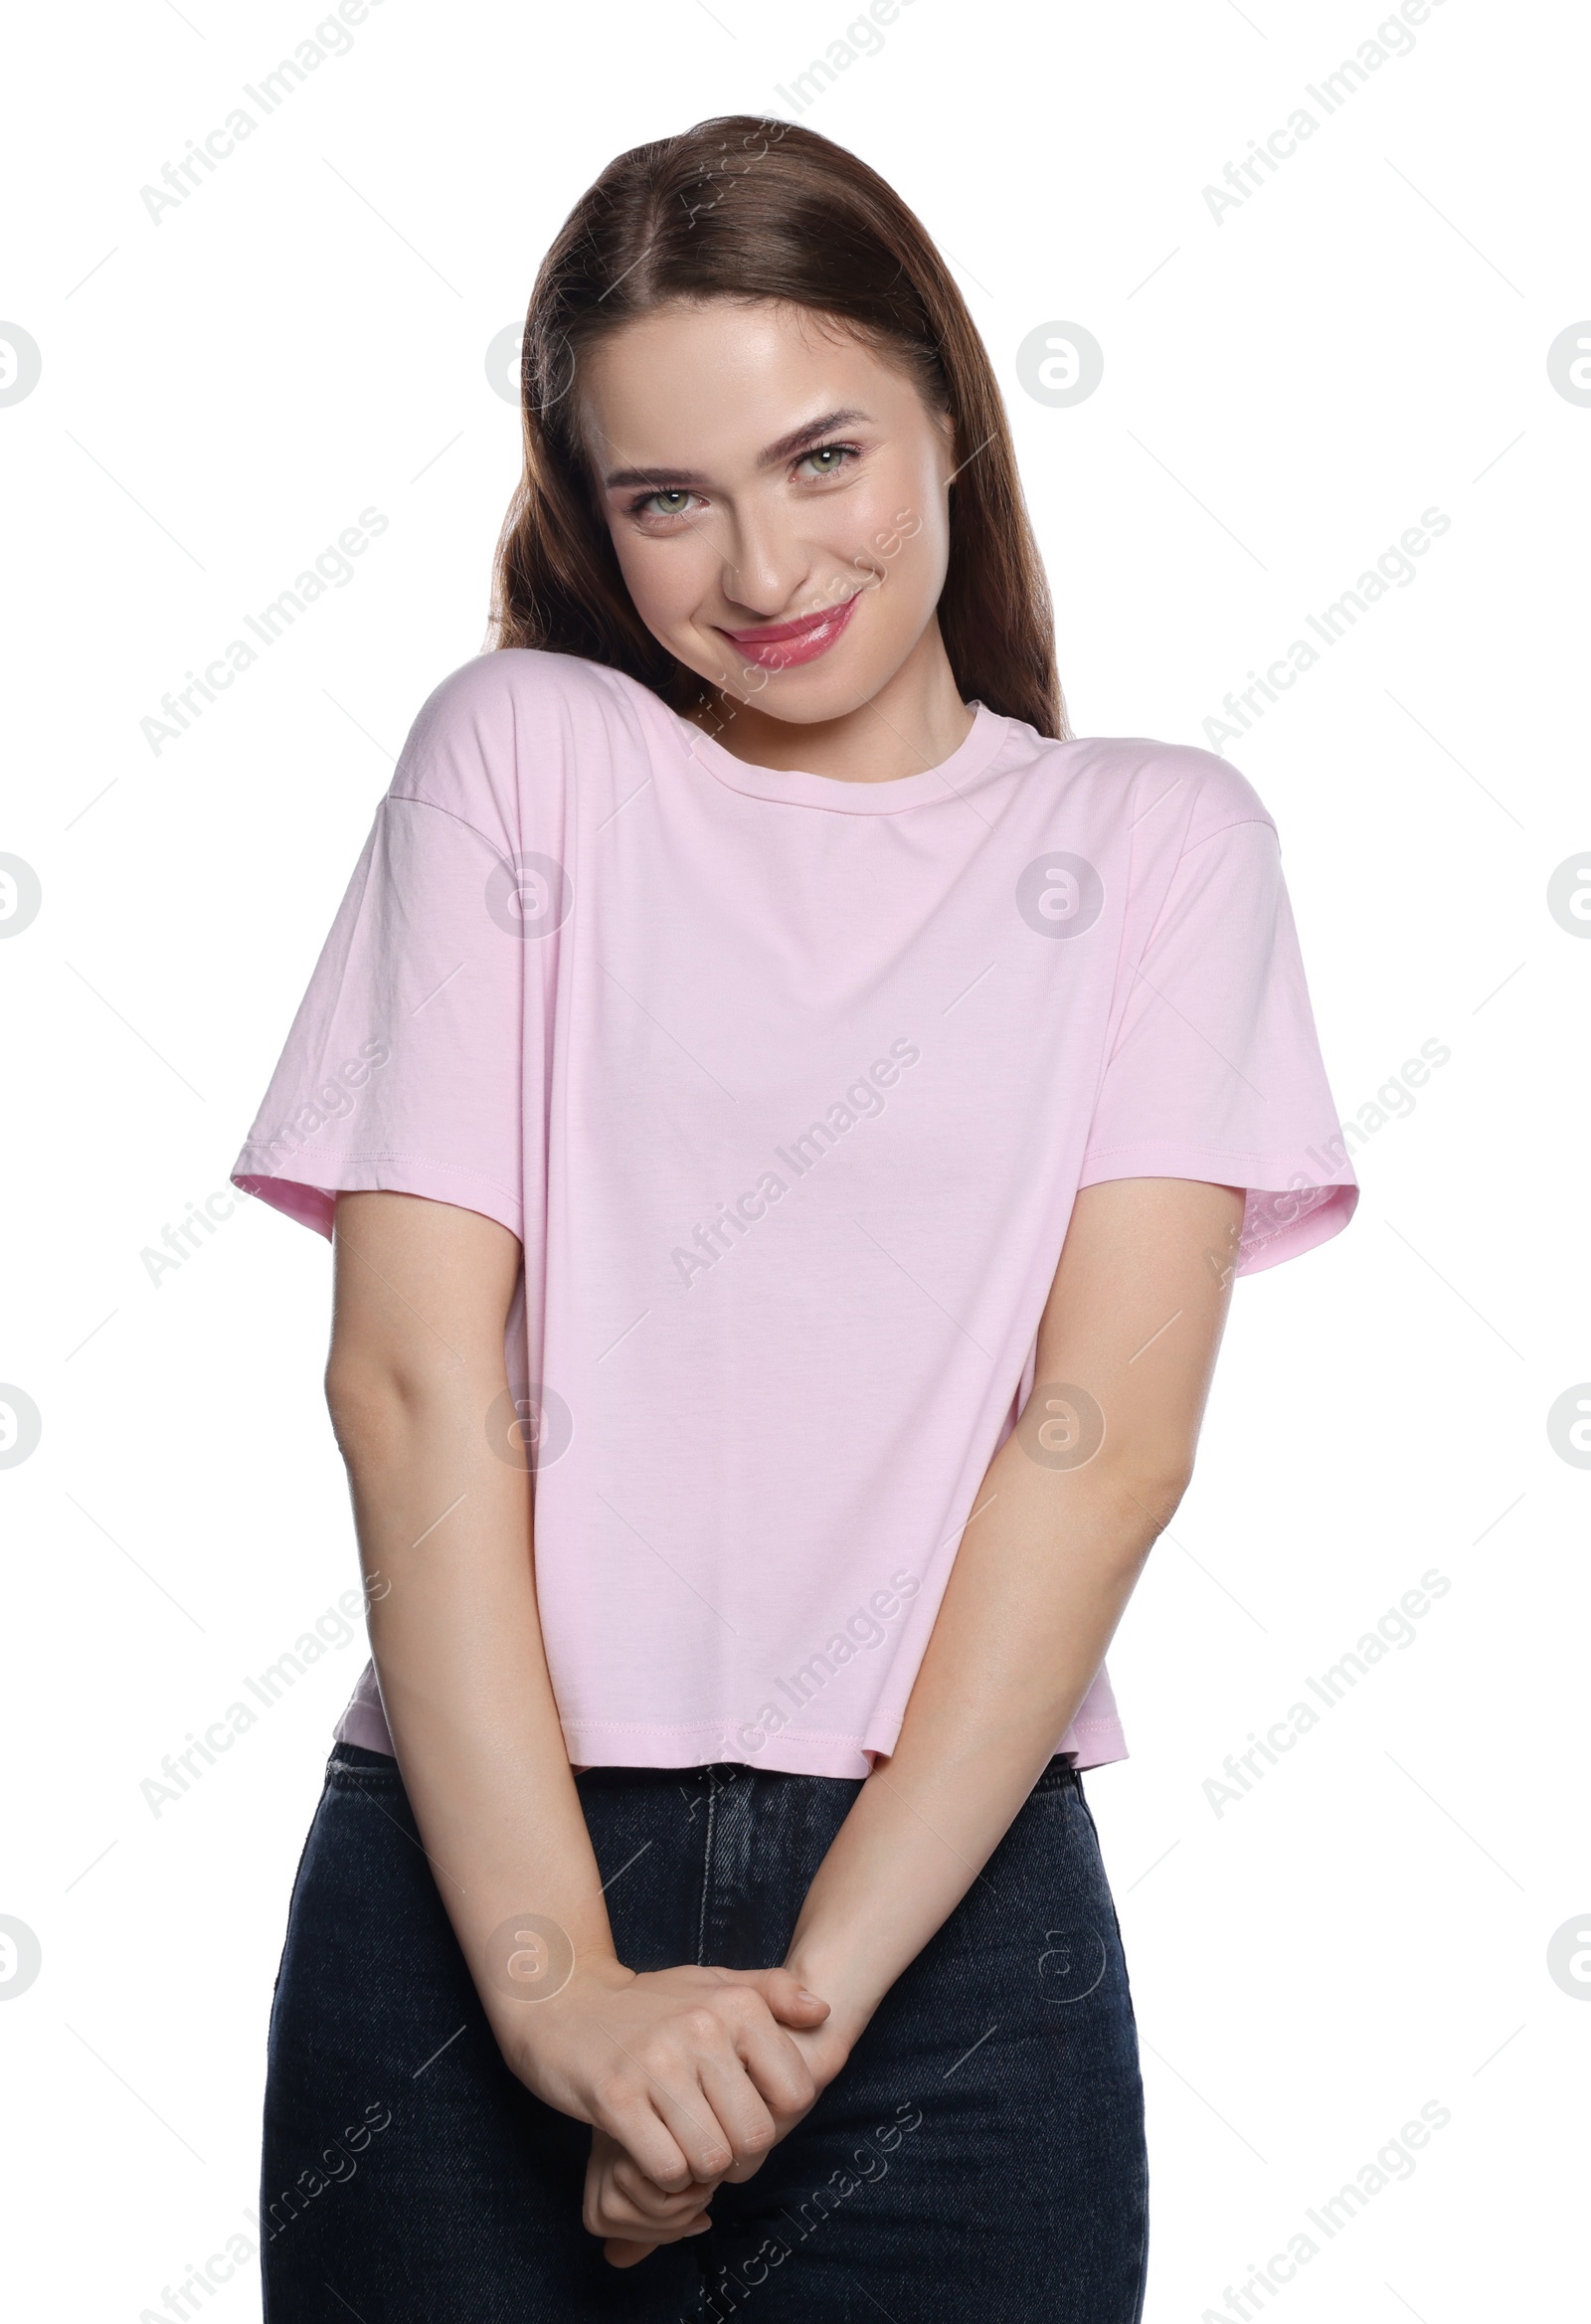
{"x": 715, "y": 384}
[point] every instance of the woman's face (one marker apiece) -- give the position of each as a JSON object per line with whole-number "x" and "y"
{"x": 777, "y": 498}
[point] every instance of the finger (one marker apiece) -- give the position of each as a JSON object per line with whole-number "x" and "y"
{"x": 785, "y": 1995}
{"x": 775, "y": 2066}
{"x": 608, "y": 2212}
{"x": 625, "y": 2255}
{"x": 693, "y": 2123}
{"x": 648, "y": 2200}
{"x": 631, "y": 2122}
{"x": 733, "y": 2094}
{"x": 608, "y": 2216}
{"x": 744, "y": 2012}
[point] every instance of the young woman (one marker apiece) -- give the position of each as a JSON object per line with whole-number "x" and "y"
{"x": 789, "y": 1116}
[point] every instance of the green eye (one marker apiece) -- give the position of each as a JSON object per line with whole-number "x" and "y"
{"x": 826, "y": 459}
{"x": 680, "y": 498}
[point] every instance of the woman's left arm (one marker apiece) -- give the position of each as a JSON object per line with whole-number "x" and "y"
{"x": 1042, "y": 1576}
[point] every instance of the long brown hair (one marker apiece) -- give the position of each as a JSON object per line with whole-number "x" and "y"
{"x": 749, "y": 209}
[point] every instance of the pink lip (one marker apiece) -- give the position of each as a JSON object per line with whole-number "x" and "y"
{"x": 780, "y": 646}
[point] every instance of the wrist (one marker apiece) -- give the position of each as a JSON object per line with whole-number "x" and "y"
{"x": 522, "y": 2026}
{"x": 852, "y": 1995}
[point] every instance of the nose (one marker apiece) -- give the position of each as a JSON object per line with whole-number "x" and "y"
{"x": 766, "y": 566}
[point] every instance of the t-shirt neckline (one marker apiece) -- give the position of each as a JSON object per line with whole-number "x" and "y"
{"x": 798, "y": 787}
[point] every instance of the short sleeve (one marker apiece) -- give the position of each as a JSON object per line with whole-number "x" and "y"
{"x": 1215, "y": 1071}
{"x": 404, "y": 1068}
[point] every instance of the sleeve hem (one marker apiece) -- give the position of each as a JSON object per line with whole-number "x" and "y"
{"x": 1267, "y": 1246}
{"x": 1305, "y": 1213}
{"x": 1155, "y": 1158}
{"x": 313, "y": 1202}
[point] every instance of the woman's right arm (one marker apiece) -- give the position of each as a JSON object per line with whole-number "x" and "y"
{"x": 688, "y": 2067}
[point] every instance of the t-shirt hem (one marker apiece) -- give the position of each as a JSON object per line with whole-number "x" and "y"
{"x": 362, "y": 1724}
{"x": 604, "y": 1743}
{"x": 1096, "y": 1746}
{"x": 613, "y": 1743}
{"x": 1094, "y": 1743}
{"x": 1094, "y": 1739}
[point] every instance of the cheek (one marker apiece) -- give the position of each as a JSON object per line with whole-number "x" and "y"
{"x": 903, "y": 535}
{"x": 666, "y": 577}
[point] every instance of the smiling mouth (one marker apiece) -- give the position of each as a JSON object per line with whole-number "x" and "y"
{"x": 777, "y": 646}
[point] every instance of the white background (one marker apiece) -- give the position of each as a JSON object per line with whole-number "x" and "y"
{"x": 1284, "y": 391}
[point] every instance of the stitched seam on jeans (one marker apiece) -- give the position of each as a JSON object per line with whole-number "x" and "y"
{"x": 364, "y": 1779}
{"x": 707, "y": 1874}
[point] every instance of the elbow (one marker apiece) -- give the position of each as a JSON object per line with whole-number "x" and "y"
{"x": 362, "y": 1404}
{"x": 1162, "y": 1493}
{"x": 372, "y": 1403}
{"x": 1147, "y": 1492}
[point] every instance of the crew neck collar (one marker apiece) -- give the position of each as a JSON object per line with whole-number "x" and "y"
{"x": 797, "y": 786}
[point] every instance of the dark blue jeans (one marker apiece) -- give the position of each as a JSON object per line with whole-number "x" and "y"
{"x": 981, "y": 2152}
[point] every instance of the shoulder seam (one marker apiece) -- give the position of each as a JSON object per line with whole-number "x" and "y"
{"x": 416, "y": 799}
{"x": 1264, "y": 822}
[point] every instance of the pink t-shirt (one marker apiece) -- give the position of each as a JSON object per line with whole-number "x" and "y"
{"x": 787, "y": 1084}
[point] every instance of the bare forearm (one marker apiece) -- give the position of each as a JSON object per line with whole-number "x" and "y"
{"x": 685, "y": 2070}
{"x": 1041, "y": 1578}
{"x": 445, "y": 1536}
{"x": 1039, "y": 1584}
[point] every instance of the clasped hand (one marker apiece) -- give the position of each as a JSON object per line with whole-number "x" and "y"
{"x": 687, "y": 2077}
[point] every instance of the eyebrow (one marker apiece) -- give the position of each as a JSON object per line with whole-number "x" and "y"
{"x": 787, "y": 448}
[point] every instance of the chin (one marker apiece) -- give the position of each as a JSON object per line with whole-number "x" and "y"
{"x": 815, "y": 695}
{"x": 813, "y": 706}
